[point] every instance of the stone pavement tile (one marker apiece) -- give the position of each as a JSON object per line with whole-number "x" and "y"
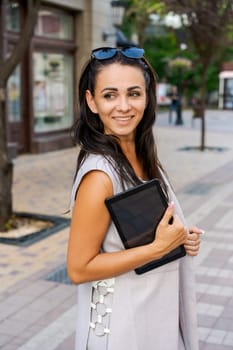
{"x": 67, "y": 344}
{"x": 210, "y": 309}
{"x": 12, "y": 327}
{"x": 215, "y": 279}
{"x": 6, "y": 310}
{"x": 212, "y": 219}
{"x": 215, "y": 347}
{"x": 224, "y": 323}
{"x": 214, "y": 289}
{"x": 231, "y": 301}
{"x": 27, "y": 316}
{"x": 43, "y": 258}
{"x": 17, "y": 341}
{"x": 4, "y": 338}
{"x": 22, "y": 299}
{"x": 54, "y": 334}
{"x": 48, "y": 179}
{"x": 206, "y": 321}
{"x": 42, "y": 311}
{"x": 229, "y": 339}
{"x": 217, "y": 258}
{"x": 51, "y": 315}
{"x": 201, "y": 345}
{"x": 228, "y": 312}
{"x": 214, "y": 299}
{"x": 203, "y": 333}
{"x": 9, "y": 347}
{"x": 216, "y": 336}
{"x": 25, "y": 305}
{"x": 53, "y": 298}
{"x": 203, "y": 278}
{"x": 229, "y": 265}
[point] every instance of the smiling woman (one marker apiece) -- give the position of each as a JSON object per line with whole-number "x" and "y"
{"x": 118, "y": 309}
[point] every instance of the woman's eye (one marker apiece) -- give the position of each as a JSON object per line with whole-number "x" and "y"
{"x": 134, "y": 93}
{"x": 109, "y": 96}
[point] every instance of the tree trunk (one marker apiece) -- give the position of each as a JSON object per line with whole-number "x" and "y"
{"x": 203, "y": 103}
{"x": 7, "y": 66}
{"x": 6, "y": 167}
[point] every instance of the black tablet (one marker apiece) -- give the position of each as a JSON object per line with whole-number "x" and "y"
{"x": 136, "y": 213}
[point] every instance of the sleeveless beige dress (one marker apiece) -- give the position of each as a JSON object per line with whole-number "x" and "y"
{"x": 153, "y": 311}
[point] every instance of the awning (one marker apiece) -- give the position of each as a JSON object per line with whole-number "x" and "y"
{"x": 226, "y": 74}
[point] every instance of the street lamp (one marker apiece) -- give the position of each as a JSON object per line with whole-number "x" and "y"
{"x": 118, "y": 8}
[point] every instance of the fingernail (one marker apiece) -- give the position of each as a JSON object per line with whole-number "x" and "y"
{"x": 202, "y": 231}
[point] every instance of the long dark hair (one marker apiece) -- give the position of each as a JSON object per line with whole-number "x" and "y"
{"x": 88, "y": 129}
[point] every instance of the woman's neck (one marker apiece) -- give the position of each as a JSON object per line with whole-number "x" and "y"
{"x": 129, "y": 150}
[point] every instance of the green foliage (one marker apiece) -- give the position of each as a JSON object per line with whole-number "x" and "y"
{"x": 159, "y": 50}
{"x": 163, "y": 46}
{"x": 10, "y": 224}
{"x": 137, "y": 17}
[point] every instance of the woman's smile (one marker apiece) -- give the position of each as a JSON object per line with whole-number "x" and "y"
{"x": 123, "y": 120}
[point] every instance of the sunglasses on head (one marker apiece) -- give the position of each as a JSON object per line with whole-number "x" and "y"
{"x": 104, "y": 53}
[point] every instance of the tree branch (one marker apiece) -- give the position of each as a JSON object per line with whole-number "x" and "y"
{"x": 11, "y": 62}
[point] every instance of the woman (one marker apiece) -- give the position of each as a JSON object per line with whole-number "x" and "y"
{"x": 118, "y": 309}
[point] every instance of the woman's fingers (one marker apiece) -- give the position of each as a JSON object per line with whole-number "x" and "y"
{"x": 192, "y": 244}
{"x": 168, "y": 215}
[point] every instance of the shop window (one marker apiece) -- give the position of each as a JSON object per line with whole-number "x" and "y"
{"x": 228, "y": 94}
{"x": 53, "y": 91}
{"x": 13, "y": 16}
{"x": 56, "y": 25}
{"x": 14, "y": 96}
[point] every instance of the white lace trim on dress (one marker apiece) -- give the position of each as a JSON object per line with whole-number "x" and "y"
{"x": 102, "y": 295}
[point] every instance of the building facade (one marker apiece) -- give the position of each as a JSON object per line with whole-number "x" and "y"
{"x": 41, "y": 91}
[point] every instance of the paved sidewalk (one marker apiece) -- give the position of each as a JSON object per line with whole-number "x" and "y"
{"x": 38, "y": 314}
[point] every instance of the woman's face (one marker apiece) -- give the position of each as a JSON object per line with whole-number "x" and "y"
{"x": 119, "y": 99}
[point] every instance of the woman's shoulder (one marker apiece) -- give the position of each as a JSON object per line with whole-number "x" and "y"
{"x": 96, "y": 162}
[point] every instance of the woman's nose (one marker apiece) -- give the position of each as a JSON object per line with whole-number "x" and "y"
{"x": 123, "y": 104}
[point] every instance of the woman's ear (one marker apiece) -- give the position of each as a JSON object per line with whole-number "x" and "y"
{"x": 91, "y": 102}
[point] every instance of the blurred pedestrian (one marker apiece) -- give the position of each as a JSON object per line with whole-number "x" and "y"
{"x": 175, "y": 105}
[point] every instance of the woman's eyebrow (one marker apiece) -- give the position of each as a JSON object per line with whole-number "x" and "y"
{"x": 109, "y": 88}
{"x": 115, "y": 89}
{"x": 134, "y": 87}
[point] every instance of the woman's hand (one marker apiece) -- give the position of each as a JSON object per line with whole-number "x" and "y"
{"x": 170, "y": 232}
{"x": 193, "y": 241}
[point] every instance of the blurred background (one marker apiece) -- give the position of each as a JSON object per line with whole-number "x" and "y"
{"x": 189, "y": 44}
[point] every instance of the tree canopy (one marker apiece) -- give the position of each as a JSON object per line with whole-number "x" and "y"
{"x": 206, "y": 25}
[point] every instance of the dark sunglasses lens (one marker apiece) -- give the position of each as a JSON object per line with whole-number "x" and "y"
{"x": 103, "y": 54}
{"x": 133, "y": 52}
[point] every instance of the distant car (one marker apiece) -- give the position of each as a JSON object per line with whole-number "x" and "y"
{"x": 162, "y": 94}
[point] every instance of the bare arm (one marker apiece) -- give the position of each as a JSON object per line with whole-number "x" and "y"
{"x": 89, "y": 224}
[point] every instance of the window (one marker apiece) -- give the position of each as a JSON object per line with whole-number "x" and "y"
{"x": 55, "y": 25}
{"x": 14, "y": 96}
{"x": 53, "y": 91}
{"x": 228, "y": 101}
{"x": 13, "y": 16}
